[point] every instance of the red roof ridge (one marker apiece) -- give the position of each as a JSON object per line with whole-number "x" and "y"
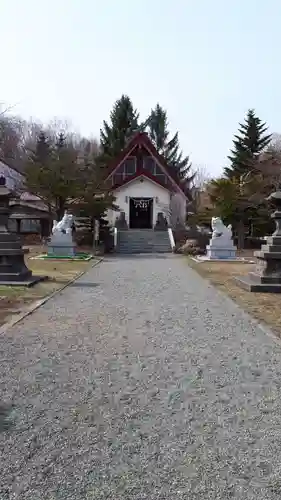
{"x": 143, "y": 173}
{"x": 142, "y": 139}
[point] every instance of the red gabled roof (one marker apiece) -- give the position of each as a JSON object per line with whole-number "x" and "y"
{"x": 142, "y": 139}
{"x": 148, "y": 175}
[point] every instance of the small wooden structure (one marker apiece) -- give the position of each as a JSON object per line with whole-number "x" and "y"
{"x": 21, "y": 210}
{"x": 28, "y": 213}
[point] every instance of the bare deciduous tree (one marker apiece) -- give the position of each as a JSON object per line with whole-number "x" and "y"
{"x": 10, "y": 137}
{"x": 269, "y": 166}
{"x": 202, "y": 176}
{"x": 275, "y": 144}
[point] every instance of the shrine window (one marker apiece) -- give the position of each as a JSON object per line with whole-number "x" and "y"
{"x": 121, "y": 169}
{"x": 130, "y": 165}
{"x": 158, "y": 170}
{"x": 117, "y": 179}
{"x": 150, "y": 165}
{"x": 162, "y": 178}
{"x": 159, "y": 174}
{"x": 126, "y": 169}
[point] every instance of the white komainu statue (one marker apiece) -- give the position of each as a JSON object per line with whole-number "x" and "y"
{"x": 65, "y": 225}
{"x": 220, "y": 230}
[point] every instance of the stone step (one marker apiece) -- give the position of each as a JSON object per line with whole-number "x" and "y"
{"x": 152, "y": 247}
{"x": 143, "y": 238}
{"x": 150, "y": 242}
{"x": 144, "y": 249}
{"x": 149, "y": 251}
{"x": 143, "y": 241}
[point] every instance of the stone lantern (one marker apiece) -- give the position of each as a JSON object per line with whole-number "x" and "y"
{"x": 267, "y": 275}
{"x": 13, "y": 270}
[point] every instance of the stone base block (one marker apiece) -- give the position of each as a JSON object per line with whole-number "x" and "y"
{"x": 25, "y": 283}
{"x": 61, "y": 250}
{"x": 221, "y": 253}
{"x": 77, "y": 257}
{"x": 252, "y": 285}
{"x": 204, "y": 258}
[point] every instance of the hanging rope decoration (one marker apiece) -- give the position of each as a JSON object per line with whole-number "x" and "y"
{"x": 141, "y": 203}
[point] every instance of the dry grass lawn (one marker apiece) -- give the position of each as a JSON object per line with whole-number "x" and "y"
{"x": 263, "y": 306}
{"x": 14, "y": 299}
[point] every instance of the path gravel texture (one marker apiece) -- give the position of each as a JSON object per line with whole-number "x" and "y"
{"x": 140, "y": 382}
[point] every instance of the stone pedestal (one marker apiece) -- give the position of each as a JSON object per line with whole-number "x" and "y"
{"x": 161, "y": 222}
{"x": 221, "y": 248}
{"x": 267, "y": 275}
{"x": 13, "y": 271}
{"x": 120, "y": 221}
{"x": 61, "y": 245}
{"x": 221, "y": 245}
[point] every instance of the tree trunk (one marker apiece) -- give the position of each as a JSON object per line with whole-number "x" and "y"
{"x": 241, "y": 235}
{"x": 45, "y": 228}
{"x": 60, "y": 209}
{"x": 95, "y": 233}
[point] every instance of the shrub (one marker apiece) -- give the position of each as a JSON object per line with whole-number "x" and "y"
{"x": 190, "y": 247}
{"x": 202, "y": 240}
{"x": 180, "y": 236}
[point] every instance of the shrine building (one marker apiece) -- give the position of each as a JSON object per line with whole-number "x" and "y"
{"x": 145, "y": 186}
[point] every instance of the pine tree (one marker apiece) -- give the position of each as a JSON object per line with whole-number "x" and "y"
{"x": 169, "y": 148}
{"x": 52, "y": 172}
{"x": 61, "y": 142}
{"x": 115, "y": 134}
{"x": 158, "y": 131}
{"x": 64, "y": 175}
{"x": 250, "y": 141}
{"x": 43, "y": 151}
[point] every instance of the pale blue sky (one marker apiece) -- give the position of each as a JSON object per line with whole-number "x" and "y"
{"x": 205, "y": 61}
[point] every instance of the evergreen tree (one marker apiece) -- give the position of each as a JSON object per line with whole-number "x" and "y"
{"x": 169, "y": 148}
{"x": 64, "y": 174}
{"x": 52, "y": 172}
{"x": 250, "y": 141}
{"x": 158, "y": 132}
{"x": 61, "y": 142}
{"x": 42, "y": 154}
{"x": 115, "y": 134}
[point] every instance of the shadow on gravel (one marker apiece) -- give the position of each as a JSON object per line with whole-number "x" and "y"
{"x": 5, "y": 421}
{"x": 83, "y": 284}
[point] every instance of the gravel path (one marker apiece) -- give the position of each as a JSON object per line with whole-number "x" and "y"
{"x": 140, "y": 382}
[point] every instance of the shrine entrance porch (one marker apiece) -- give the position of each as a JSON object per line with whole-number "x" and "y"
{"x": 141, "y": 213}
